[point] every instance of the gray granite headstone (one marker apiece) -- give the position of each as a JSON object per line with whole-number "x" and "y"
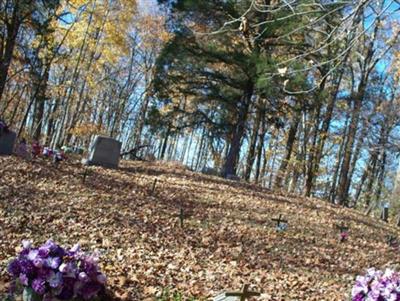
{"x": 7, "y": 141}
{"x": 105, "y": 151}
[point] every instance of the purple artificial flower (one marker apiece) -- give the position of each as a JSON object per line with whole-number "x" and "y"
{"x": 101, "y": 278}
{"x": 44, "y": 252}
{"x": 23, "y": 279}
{"x": 63, "y": 268}
{"x": 39, "y": 286}
{"x": 358, "y": 297}
{"x": 14, "y": 268}
{"x": 33, "y": 254}
{"x": 45, "y": 249}
{"x": 89, "y": 265}
{"x": 376, "y": 285}
{"x": 53, "y": 262}
{"x": 83, "y": 277}
{"x": 55, "y": 280}
{"x": 27, "y": 267}
{"x": 75, "y": 250}
{"x": 69, "y": 269}
{"x": 38, "y": 262}
{"x": 58, "y": 252}
{"x": 50, "y": 248}
{"x": 24, "y": 253}
{"x": 44, "y": 273}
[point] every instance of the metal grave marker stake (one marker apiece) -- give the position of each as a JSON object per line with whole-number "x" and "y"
{"x": 154, "y": 186}
{"x": 344, "y": 232}
{"x": 85, "y": 174}
{"x": 181, "y": 217}
{"x": 281, "y": 224}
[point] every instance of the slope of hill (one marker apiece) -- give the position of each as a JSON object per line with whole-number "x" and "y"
{"x": 228, "y": 237}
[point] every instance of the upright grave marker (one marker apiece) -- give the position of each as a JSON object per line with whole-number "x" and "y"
{"x": 243, "y": 295}
{"x": 7, "y": 141}
{"x": 181, "y": 216}
{"x": 153, "y": 189}
{"x": 85, "y": 174}
{"x": 281, "y": 224}
{"x": 344, "y": 232}
{"x": 105, "y": 151}
{"x": 385, "y": 212}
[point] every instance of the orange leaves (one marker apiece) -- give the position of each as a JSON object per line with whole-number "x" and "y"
{"x": 86, "y": 130}
{"x": 151, "y": 29}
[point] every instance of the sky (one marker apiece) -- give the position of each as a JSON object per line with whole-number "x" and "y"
{"x": 147, "y": 6}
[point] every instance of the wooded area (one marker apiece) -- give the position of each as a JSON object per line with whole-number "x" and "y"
{"x": 300, "y": 96}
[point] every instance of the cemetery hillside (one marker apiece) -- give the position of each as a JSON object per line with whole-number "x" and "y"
{"x": 199, "y": 150}
{"x": 227, "y": 237}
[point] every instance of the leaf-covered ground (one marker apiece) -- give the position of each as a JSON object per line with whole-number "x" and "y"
{"x": 228, "y": 238}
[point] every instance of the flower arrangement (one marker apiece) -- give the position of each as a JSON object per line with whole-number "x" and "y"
{"x": 343, "y": 236}
{"x": 377, "y": 285}
{"x": 50, "y": 273}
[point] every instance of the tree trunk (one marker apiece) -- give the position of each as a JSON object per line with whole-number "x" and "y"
{"x": 40, "y": 103}
{"x": 289, "y": 148}
{"x": 332, "y": 193}
{"x": 165, "y": 143}
{"x": 260, "y": 148}
{"x": 381, "y": 177}
{"x": 271, "y": 175}
{"x": 322, "y": 136}
{"x": 230, "y": 165}
{"x": 357, "y": 151}
{"x": 267, "y": 155}
{"x": 348, "y": 149}
{"x": 6, "y": 58}
{"x": 367, "y": 172}
{"x": 253, "y": 140}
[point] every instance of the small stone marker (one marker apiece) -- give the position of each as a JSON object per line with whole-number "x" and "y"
{"x": 281, "y": 224}
{"x": 7, "y": 141}
{"x": 105, "y": 151}
{"x": 385, "y": 212}
{"x": 243, "y": 295}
